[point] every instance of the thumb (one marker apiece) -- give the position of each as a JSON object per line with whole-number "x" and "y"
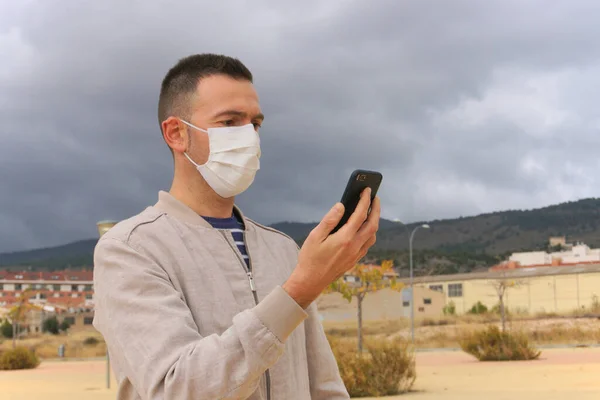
{"x": 329, "y": 221}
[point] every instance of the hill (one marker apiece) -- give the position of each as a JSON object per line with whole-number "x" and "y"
{"x": 504, "y": 232}
{"x": 73, "y": 255}
{"x": 453, "y": 245}
{"x": 300, "y": 230}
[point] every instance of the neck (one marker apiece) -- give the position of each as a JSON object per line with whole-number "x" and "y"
{"x": 195, "y": 193}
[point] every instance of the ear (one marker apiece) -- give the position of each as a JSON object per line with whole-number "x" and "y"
{"x": 175, "y": 134}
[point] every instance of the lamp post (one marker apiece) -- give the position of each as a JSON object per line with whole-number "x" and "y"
{"x": 412, "y": 289}
{"x": 103, "y": 227}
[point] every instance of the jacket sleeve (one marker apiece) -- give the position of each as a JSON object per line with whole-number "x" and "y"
{"x": 150, "y": 332}
{"x": 324, "y": 375}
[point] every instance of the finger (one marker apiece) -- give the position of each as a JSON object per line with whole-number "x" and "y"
{"x": 329, "y": 221}
{"x": 366, "y": 246}
{"x": 369, "y": 243}
{"x": 371, "y": 225}
{"x": 360, "y": 213}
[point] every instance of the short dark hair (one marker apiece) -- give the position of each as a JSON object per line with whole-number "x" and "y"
{"x": 181, "y": 81}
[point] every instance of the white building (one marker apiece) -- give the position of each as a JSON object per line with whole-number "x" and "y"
{"x": 579, "y": 253}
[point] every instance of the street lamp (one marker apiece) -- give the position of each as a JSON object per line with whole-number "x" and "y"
{"x": 103, "y": 227}
{"x": 412, "y": 289}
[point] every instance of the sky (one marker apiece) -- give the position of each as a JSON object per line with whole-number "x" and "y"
{"x": 464, "y": 106}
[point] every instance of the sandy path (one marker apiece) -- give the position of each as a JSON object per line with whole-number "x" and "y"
{"x": 445, "y": 375}
{"x": 54, "y": 380}
{"x": 559, "y": 374}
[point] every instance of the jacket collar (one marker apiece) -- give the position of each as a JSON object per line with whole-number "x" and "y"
{"x": 176, "y": 209}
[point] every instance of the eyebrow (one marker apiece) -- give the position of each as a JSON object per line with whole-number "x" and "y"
{"x": 237, "y": 113}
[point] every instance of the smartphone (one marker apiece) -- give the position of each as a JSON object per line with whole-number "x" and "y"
{"x": 359, "y": 181}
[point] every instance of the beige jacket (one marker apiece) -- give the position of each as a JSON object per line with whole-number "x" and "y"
{"x": 174, "y": 303}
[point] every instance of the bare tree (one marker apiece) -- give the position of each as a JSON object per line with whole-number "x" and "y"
{"x": 501, "y": 285}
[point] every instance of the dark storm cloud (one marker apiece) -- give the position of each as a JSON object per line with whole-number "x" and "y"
{"x": 465, "y": 106}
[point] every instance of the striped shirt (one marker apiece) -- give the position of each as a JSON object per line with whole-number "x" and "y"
{"x": 234, "y": 225}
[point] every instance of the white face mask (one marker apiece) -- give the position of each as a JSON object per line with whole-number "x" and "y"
{"x": 233, "y": 159}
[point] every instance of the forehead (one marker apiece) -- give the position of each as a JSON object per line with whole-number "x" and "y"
{"x": 219, "y": 92}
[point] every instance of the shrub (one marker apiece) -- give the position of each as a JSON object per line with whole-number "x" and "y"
{"x": 6, "y": 330}
{"x": 18, "y": 358}
{"x": 491, "y": 344}
{"x": 435, "y": 322}
{"x": 387, "y": 367}
{"x": 91, "y": 341}
{"x": 496, "y": 310}
{"x": 450, "y": 309}
{"x": 478, "y": 308}
{"x": 51, "y": 325}
{"x": 64, "y": 326}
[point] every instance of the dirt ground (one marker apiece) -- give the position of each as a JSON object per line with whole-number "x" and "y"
{"x": 559, "y": 374}
{"x": 382, "y": 316}
{"x": 447, "y": 375}
{"x": 46, "y": 345}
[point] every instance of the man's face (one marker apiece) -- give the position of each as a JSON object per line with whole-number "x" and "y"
{"x": 221, "y": 101}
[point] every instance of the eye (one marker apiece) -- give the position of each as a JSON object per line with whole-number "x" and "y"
{"x": 228, "y": 122}
{"x": 257, "y": 125}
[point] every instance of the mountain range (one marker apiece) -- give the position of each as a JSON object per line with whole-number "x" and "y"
{"x": 448, "y": 246}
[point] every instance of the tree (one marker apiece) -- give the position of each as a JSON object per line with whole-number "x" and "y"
{"x": 64, "y": 326}
{"x": 556, "y": 248}
{"x": 501, "y": 285}
{"x": 18, "y": 312}
{"x": 51, "y": 325}
{"x": 369, "y": 279}
{"x": 6, "y": 329}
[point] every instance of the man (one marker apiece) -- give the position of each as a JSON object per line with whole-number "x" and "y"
{"x": 195, "y": 300}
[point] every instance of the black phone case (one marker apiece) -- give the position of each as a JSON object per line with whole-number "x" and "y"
{"x": 359, "y": 180}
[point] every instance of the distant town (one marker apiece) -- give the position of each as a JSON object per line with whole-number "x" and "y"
{"x": 68, "y": 295}
{"x": 543, "y": 282}
{"x": 563, "y": 281}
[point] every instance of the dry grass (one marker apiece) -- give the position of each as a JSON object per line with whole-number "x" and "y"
{"x": 448, "y": 331}
{"x": 370, "y": 328}
{"x": 46, "y": 345}
{"x": 444, "y": 332}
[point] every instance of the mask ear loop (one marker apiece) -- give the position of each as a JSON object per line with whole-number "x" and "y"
{"x": 193, "y": 126}
{"x": 192, "y": 161}
{"x": 185, "y": 152}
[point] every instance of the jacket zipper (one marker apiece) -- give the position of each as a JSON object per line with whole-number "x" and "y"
{"x": 248, "y": 270}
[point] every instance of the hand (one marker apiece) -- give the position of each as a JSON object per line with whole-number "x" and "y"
{"x": 324, "y": 257}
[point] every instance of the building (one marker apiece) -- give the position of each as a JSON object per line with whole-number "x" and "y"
{"x": 428, "y": 303}
{"x": 555, "y": 241}
{"x": 68, "y": 295}
{"x": 350, "y": 277}
{"x": 382, "y": 304}
{"x": 33, "y": 320}
{"x": 70, "y": 289}
{"x": 570, "y": 254}
{"x": 547, "y": 289}
{"x": 79, "y": 319}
